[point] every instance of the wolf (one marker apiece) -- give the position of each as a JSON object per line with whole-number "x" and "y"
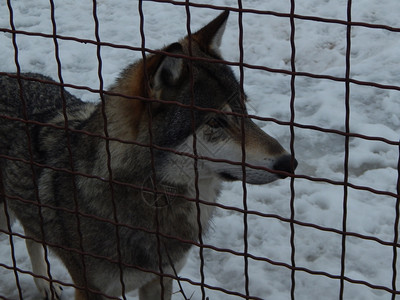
{"x": 119, "y": 190}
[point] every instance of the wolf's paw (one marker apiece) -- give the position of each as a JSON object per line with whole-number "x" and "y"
{"x": 49, "y": 291}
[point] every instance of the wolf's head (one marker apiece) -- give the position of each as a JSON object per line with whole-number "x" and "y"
{"x": 200, "y": 113}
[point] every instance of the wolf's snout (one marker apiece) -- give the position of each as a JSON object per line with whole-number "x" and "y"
{"x": 285, "y": 164}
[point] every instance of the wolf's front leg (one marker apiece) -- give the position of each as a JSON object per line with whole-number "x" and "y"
{"x": 152, "y": 290}
{"x": 47, "y": 289}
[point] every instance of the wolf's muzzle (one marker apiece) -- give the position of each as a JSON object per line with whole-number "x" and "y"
{"x": 285, "y": 164}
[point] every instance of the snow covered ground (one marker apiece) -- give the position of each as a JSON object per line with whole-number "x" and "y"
{"x": 320, "y": 49}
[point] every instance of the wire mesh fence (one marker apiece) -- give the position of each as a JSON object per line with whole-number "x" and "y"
{"x": 120, "y": 189}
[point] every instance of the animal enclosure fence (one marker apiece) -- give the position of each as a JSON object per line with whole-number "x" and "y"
{"x": 299, "y": 265}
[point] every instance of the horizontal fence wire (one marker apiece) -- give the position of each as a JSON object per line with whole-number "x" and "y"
{"x": 346, "y": 183}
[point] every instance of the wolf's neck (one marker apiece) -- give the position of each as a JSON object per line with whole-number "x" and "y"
{"x": 209, "y": 189}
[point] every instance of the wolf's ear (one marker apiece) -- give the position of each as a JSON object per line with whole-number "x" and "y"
{"x": 209, "y": 37}
{"x": 169, "y": 70}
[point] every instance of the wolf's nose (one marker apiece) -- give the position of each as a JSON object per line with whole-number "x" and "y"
{"x": 285, "y": 164}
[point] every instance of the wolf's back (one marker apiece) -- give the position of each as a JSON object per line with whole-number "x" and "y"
{"x": 40, "y": 95}
{"x": 36, "y": 98}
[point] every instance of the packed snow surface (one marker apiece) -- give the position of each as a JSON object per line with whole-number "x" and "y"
{"x": 320, "y": 49}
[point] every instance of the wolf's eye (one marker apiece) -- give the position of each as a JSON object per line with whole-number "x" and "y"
{"x": 217, "y": 122}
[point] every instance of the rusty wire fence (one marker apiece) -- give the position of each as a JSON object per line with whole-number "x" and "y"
{"x": 392, "y": 290}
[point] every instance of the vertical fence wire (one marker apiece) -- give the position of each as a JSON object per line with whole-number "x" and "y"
{"x": 11, "y": 240}
{"x": 107, "y": 146}
{"x": 243, "y": 149}
{"x": 10, "y": 236}
{"x": 194, "y": 148}
{"x": 292, "y": 112}
{"x": 31, "y": 158}
{"x": 346, "y": 151}
{"x": 68, "y": 139}
{"x": 151, "y": 149}
{"x": 396, "y": 229}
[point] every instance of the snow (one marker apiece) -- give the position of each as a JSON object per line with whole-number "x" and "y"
{"x": 320, "y": 49}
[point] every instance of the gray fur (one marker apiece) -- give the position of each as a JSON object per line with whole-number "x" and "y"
{"x": 78, "y": 170}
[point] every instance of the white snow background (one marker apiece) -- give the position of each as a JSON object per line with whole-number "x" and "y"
{"x": 320, "y": 49}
